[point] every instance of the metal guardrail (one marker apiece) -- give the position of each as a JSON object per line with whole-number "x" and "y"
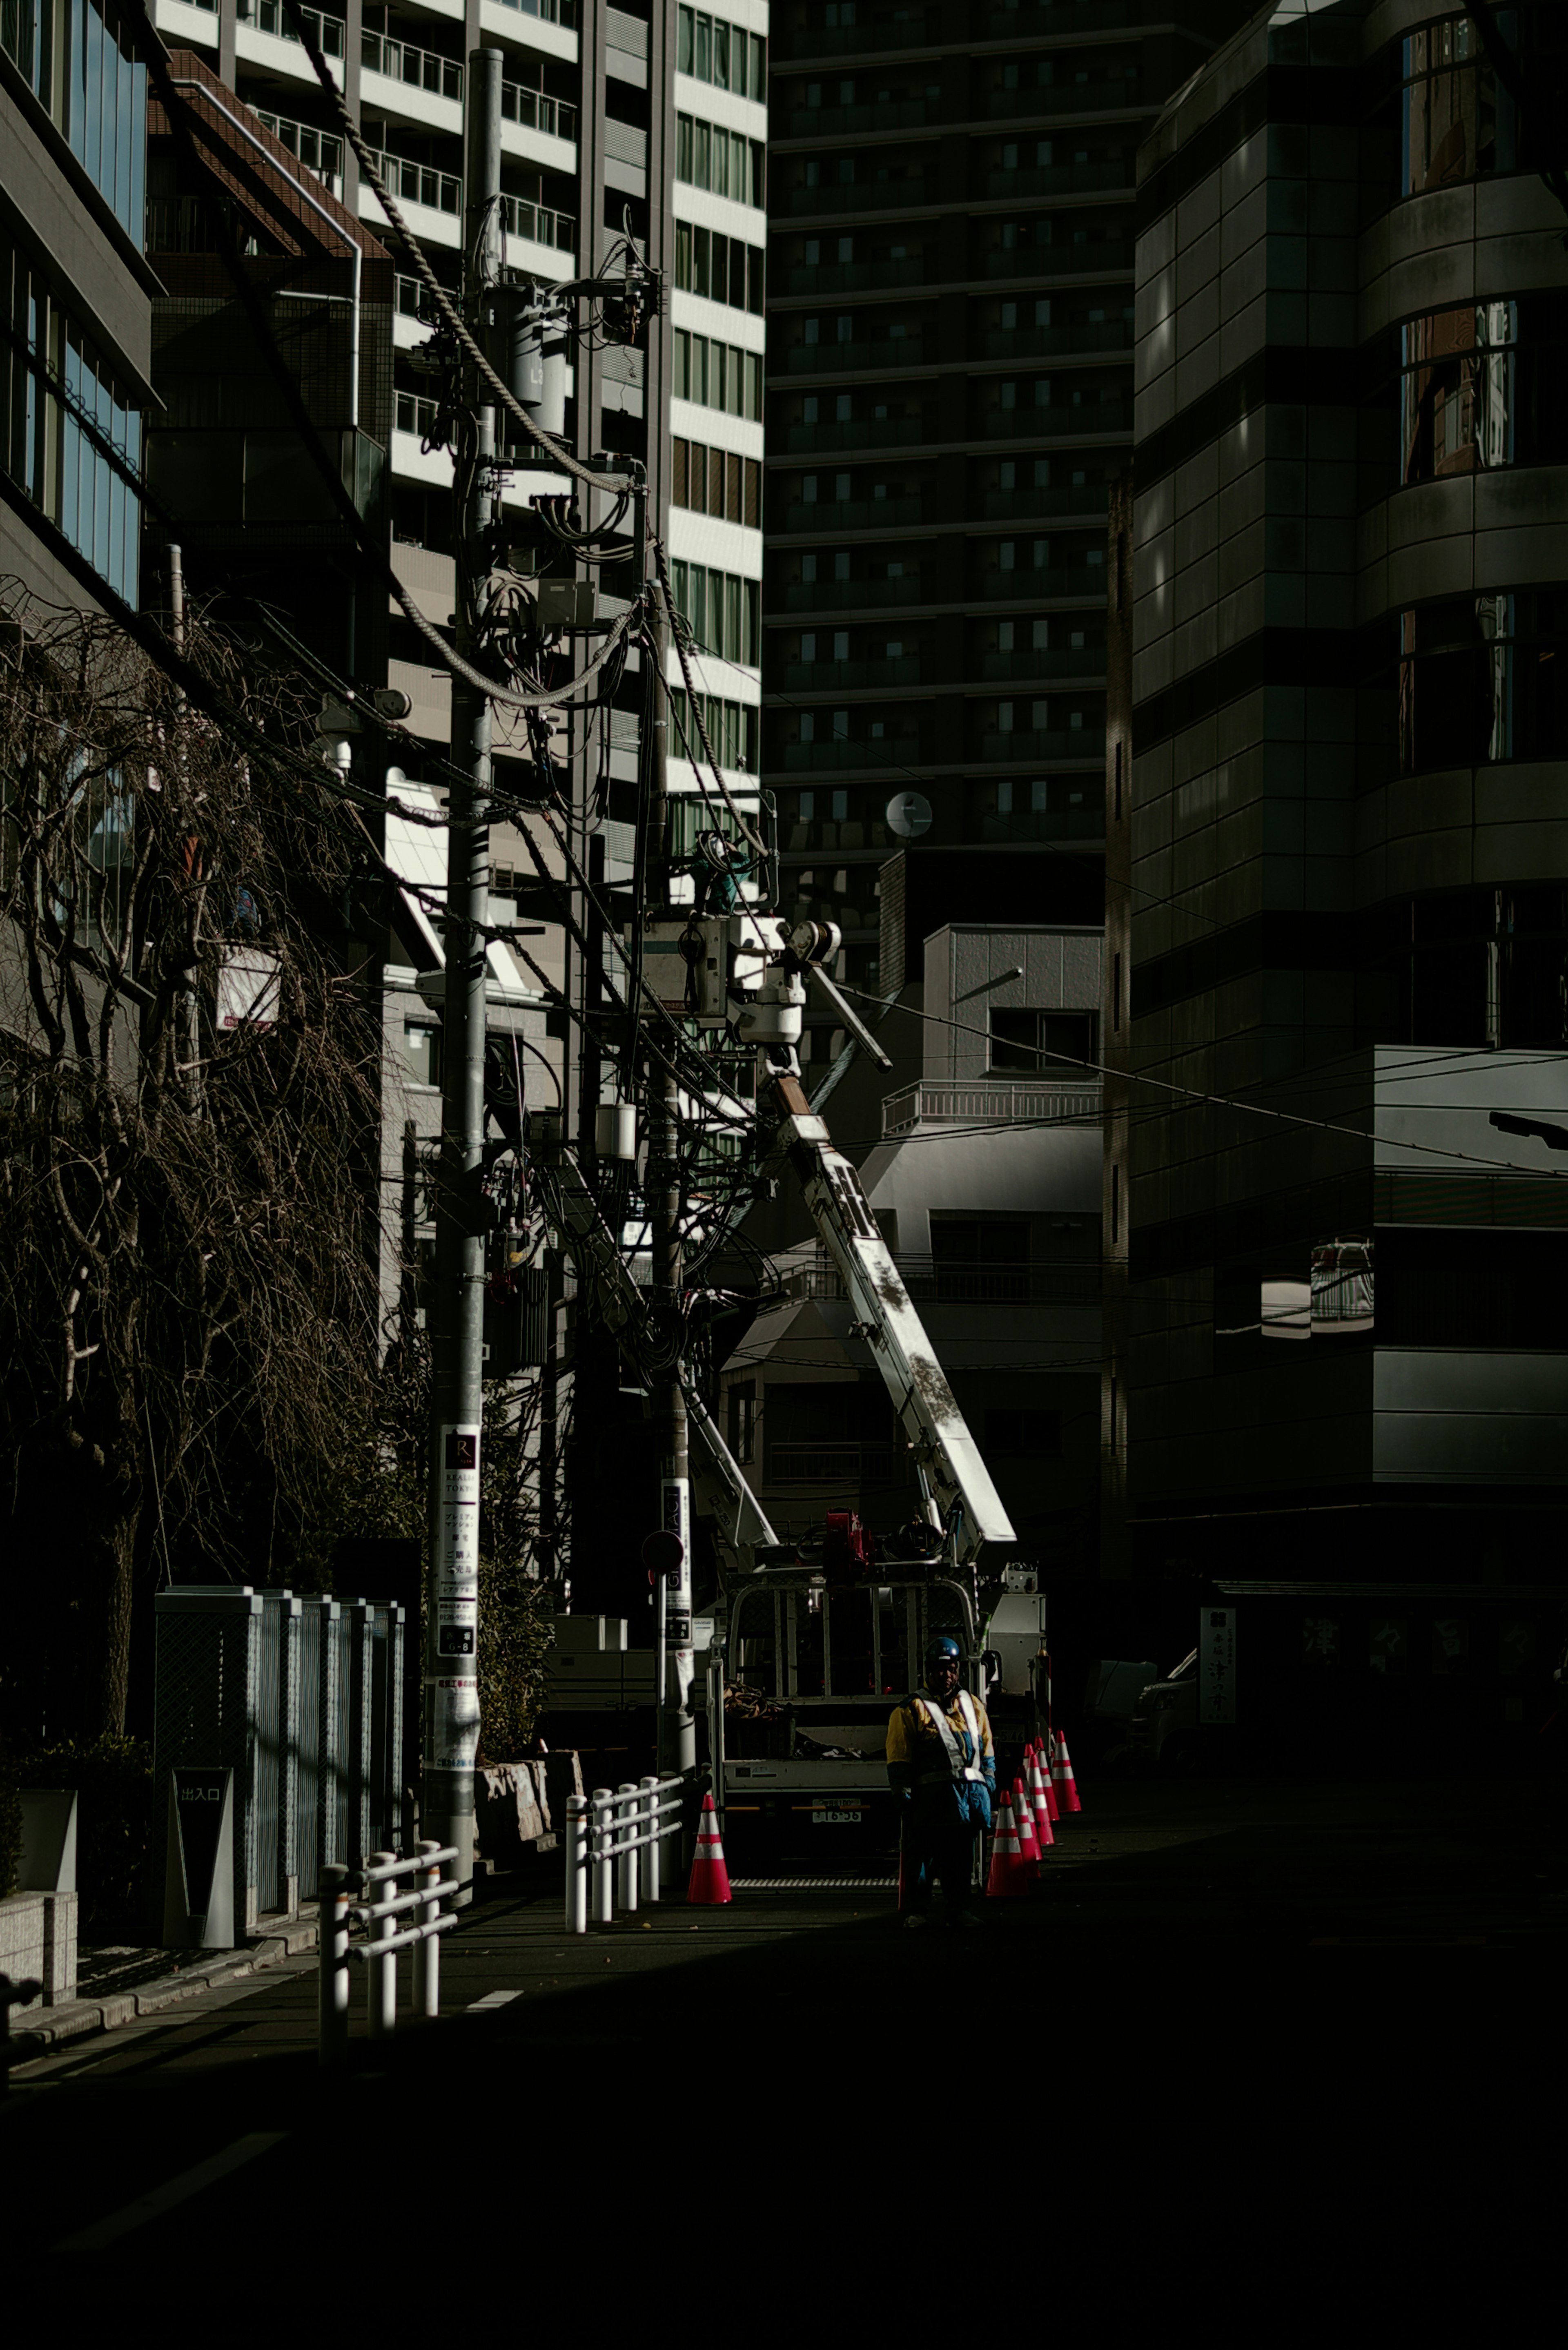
{"x": 417, "y": 183}
{"x": 271, "y": 16}
{"x": 419, "y": 68}
{"x": 604, "y": 1833}
{"x": 379, "y": 1955}
{"x": 988, "y": 1102}
{"x": 538, "y": 221}
{"x": 532, "y": 111}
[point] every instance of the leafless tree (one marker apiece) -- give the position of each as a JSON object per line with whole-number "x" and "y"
{"x": 189, "y": 1103}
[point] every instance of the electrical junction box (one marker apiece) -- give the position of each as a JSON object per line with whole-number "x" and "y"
{"x": 1017, "y": 1632}
{"x": 686, "y": 964}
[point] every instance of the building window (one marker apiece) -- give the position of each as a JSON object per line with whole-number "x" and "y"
{"x": 69, "y": 432}
{"x": 711, "y": 49}
{"x": 78, "y": 56}
{"x": 1484, "y": 680}
{"x": 1047, "y": 807}
{"x": 1480, "y": 386}
{"x": 744, "y": 1422}
{"x": 1023, "y": 1042}
{"x": 421, "y": 1052}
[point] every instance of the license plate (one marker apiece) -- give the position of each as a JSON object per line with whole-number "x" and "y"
{"x": 832, "y": 1819}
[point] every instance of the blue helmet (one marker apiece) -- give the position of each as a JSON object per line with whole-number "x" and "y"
{"x": 941, "y": 1649}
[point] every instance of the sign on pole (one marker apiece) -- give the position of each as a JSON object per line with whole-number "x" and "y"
{"x": 1217, "y": 1664}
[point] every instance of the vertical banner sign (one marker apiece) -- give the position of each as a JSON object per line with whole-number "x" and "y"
{"x": 1217, "y": 1664}
{"x": 676, "y": 1518}
{"x": 454, "y": 1686}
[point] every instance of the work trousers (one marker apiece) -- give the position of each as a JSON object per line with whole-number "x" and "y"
{"x": 940, "y": 1843}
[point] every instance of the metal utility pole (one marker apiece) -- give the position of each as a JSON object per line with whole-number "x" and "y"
{"x": 676, "y": 1725}
{"x": 452, "y": 1619}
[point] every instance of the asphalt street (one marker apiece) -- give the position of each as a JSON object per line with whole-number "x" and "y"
{"x": 1294, "y": 1941}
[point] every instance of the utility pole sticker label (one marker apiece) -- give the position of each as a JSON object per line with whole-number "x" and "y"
{"x": 457, "y": 1627}
{"x": 676, "y": 1514}
{"x": 1217, "y": 1664}
{"x": 457, "y": 1515}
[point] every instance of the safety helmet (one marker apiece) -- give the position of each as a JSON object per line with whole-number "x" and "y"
{"x": 943, "y": 1650}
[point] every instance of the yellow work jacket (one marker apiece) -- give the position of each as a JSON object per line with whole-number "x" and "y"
{"x": 913, "y": 1741}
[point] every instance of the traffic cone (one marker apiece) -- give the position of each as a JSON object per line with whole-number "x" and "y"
{"x": 710, "y": 1877}
{"x": 1028, "y": 1840}
{"x": 1008, "y": 1873}
{"x": 1042, "y": 1808}
{"x": 1047, "y": 1769}
{"x": 1062, "y": 1775}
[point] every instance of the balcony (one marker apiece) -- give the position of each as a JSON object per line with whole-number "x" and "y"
{"x": 992, "y": 1101}
{"x": 1055, "y": 16}
{"x": 844, "y": 595}
{"x": 1019, "y": 745}
{"x": 538, "y": 221}
{"x": 1068, "y": 97}
{"x": 846, "y": 676}
{"x": 853, "y": 1468}
{"x": 1051, "y": 423}
{"x": 421, "y": 69}
{"x": 853, "y": 40}
{"x": 1057, "y": 261}
{"x": 862, "y": 433}
{"x": 939, "y": 1281}
{"x": 862, "y": 359}
{"x": 417, "y": 183}
{"x": 825, "y": 277}
{"x": 320, "y": 153}
{"x": 857, "y": 514}
{"x": 837, "y": 121}
{"x": 1056, "y": 342}
{"x": 1030, "y": 584}
{"x": 1082, "y": 661}
{"x": 532, "y": 111}
{"x": 549, "y": 12}
{"x": 271, "y": 16}
{"x": 1059, "y": 179}
{"x": 836, "y": 758}
{"x": 865, "y": 195}
{"x": 1014, "y": 505}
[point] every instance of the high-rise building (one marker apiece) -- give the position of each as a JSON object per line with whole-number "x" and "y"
{"x": 1338, "y": 904}
{"x": 950, "y": 372}
{"x": 76, "y": 373}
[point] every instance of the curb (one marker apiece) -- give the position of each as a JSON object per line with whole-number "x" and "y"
{"x": 77, "y": 2019}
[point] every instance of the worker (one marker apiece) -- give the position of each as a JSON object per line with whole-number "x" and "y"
{"x": 941, "y": 1765}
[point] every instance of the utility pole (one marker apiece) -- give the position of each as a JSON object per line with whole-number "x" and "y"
{"x": 677, "y": 1727}
{"x": 452, "y": 1618}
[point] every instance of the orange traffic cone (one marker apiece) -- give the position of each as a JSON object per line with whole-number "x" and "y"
{"x": 1062, "y": 1777}
{"x": 1042, "y": 1808}
{"x": 1008, "y": 1873}
{"x": 1047, "y": 1766}
{"x": 1023, "y": 1820}
{"x": 710, "y": 1877}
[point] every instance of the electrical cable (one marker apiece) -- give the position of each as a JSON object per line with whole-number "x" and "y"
{"x": 1218, "y": 1102}
{"x": 677, "y": 638}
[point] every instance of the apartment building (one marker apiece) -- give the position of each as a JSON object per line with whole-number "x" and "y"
{"x": 1338, "y": 911}
{"x": 949, "y": 389}
{"x": 75, "y": 371}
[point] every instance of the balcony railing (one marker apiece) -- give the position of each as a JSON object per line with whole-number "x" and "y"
{"x": 1008, "y": 505}
{"x": 1056, "y": 260}
{"x": 1084, "y": 660}
{"x": 416, "y": 413}
{"x": 1057, "y": 179}
{"x": 857, "y": 514}
{"x": 826, "y": 358}
{"x": 537, "y": 221}
{"x": 549, "y": 12}
{"x": 868, "y": 195}
{"x": 835, "y": 757}
{"x": 942, "y": 1280}
{"x": 1051, "y": 422}
{"x": 1029, "y": 583}
{"x": 847, "y": 594}
{"x": 1069, "y": 97}
{"x": 318, "y": 150}
{"x": 830, "y": 676}
{"x": 271, "y": 16}
{"x": 1052, "y": 342}
{"x": 534, "y": 111}
{"x": 417, "y": 183}
{"x": 827, "y": 278}
{"x": 989, "y": 1101}
{"x": 1033, "y": 744}
{"x": 419, "y": 68}
{"x": 833, "y": 121}
{"x": 860, "y": 432}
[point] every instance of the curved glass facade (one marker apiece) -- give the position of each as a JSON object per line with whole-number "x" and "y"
{"x": 1481, "y": 387}
{"x": 1456, "y": 120}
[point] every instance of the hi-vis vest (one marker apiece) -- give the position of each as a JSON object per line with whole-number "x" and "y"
{"x": 943, "y": 1728}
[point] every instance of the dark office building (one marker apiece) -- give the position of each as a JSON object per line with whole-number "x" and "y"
{"x": 1338, "y": 888}
{"x": 950, "y": 388}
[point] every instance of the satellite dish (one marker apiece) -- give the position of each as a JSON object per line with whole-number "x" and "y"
{"x": 908, "y": 815}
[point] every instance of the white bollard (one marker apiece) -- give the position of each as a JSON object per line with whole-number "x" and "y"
{"x": 332, "y": 1943}
{"x": 576, "y": 1863}
{"x": 604, "y": 1864}
{"x": 656, "y": 1838}
{"x": 381, "y": 1989}
{"x": 427, "y": 1954}
{"x": 629, "y": 1825}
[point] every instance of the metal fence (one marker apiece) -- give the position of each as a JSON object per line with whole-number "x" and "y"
{"x": 606, "y": 1834}
{"x": 303, "y": 1700}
